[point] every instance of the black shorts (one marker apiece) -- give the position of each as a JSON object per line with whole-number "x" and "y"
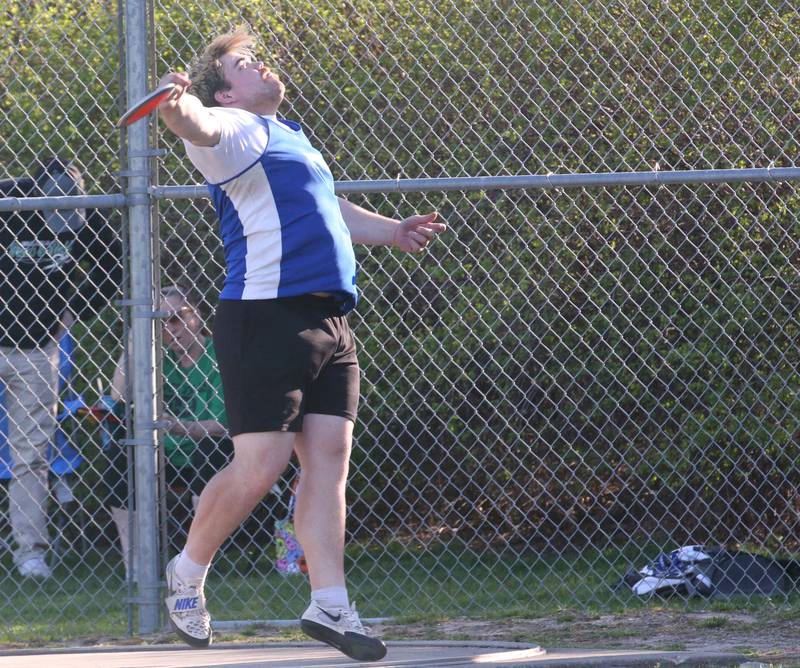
{"x": 282, "y": 358}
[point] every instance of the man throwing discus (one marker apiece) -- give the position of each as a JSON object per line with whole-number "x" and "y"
{"x": 285, "y": 351}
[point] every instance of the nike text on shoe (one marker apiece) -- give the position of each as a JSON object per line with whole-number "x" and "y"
{"x": 343, "y": 630}
{"x": 186, "y": 607}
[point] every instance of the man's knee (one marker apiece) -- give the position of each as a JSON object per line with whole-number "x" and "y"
{"x": 256, "y": 479}
{"x": 260, "y": 459}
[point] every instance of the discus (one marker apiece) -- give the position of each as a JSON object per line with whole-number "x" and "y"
{"x": 146, "y": 105}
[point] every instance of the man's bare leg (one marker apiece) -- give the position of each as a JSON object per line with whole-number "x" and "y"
{"x": 323, "y": 449}
{"x": 228, "y": 498}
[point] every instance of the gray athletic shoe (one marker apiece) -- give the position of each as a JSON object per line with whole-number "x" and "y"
{"x": 343, "y": 630}
{"x": 35, "y": 567}
{"x": 186, "y": 606}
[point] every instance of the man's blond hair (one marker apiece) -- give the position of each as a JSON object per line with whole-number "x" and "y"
{"x": 206, "y": 73}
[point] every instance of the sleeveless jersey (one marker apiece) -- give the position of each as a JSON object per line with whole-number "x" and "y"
{"x": 280, "y": 223}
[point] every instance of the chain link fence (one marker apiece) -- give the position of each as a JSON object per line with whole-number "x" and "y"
{"x": 584, "y": 372}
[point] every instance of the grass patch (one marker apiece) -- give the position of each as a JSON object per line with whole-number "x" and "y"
{"x": 87, "y": 597}
{"x": 713, "y": 623}
{"x": 566, "y": 617}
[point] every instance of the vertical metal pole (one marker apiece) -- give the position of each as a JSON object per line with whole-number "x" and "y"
{"x": 143, "y": 359}
{"x": 126, "y": 320}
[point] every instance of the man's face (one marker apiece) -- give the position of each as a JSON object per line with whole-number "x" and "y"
{"x": 254, "y": 86}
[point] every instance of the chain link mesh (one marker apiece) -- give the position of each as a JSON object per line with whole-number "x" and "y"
{"x": 568, "y": 383}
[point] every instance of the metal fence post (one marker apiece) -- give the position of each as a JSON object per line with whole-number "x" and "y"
{"x": 143, "y": 358}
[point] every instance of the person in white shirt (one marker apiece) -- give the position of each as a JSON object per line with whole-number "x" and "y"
{"x": 285, "y": 350}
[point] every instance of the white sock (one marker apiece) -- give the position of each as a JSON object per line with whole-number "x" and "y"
{"x": 331, "y": 598}
{"x": 190, "y": 571}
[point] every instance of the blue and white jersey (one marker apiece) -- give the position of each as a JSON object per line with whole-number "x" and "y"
{"x": 280, "y": 222}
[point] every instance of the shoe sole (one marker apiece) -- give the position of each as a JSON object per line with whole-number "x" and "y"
{"x": 358, "y": 647}
{"x": 199, "y": 643}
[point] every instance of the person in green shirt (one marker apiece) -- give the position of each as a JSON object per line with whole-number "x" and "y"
{"x": 195, "y": 438}
{"x": 193, "y": 402}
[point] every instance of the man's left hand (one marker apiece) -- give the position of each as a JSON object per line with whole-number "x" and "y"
{"x": 414, "y": 233}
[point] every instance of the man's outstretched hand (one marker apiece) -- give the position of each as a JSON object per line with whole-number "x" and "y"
{"x": 414, "y": 233}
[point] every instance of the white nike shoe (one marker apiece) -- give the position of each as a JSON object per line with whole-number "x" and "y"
{"x": 342, "y": 629}
{"x": 186, "y": 606}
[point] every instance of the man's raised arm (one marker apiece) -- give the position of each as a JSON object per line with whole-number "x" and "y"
{"x": 185, "y": 115}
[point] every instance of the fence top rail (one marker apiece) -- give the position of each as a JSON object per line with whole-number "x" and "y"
{"x": 464, "y": 183}
{"x": 62, "y": 202}
{"x": 534, "y": 181}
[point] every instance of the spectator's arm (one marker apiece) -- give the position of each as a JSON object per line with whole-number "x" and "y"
{"x": 194, "y": 429}
{"x": 21, "y": 187}
{"x": 99, "y": 258}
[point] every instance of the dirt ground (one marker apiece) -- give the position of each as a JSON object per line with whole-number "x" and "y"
{"x": 772, "y": 636}
{"x": 766, "y": 636}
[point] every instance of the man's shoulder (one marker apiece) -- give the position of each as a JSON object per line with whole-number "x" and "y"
{"x": 233, "y": 122}
{"x": 233, "y": 111}
{"x": 237, "y": 116}
{"x": 243, "y": 138}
